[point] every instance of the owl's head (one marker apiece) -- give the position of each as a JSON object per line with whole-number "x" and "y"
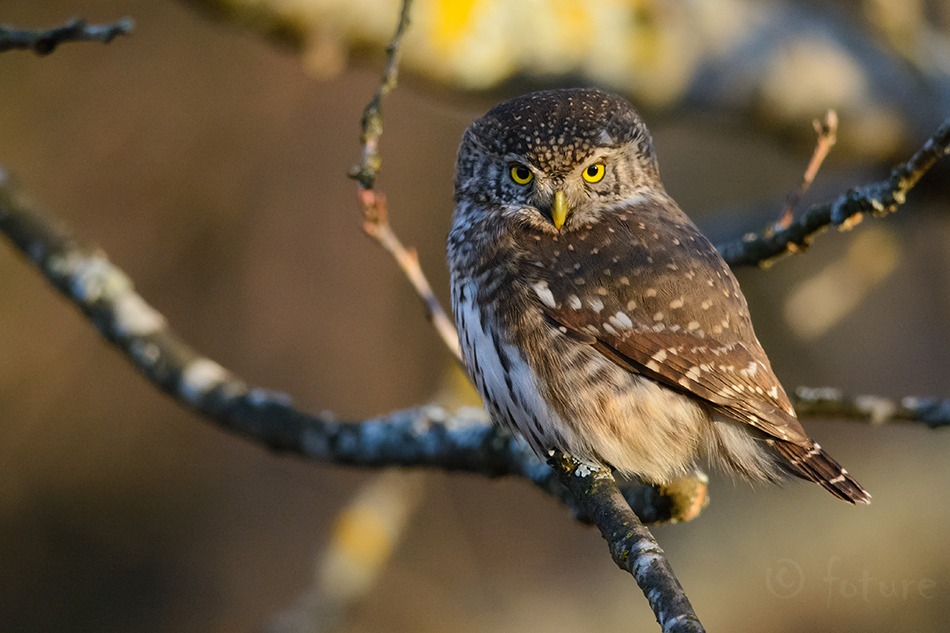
{"x": 556, "y": 159}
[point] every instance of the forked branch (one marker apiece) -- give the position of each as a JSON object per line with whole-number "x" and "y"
{"x": 849, "y": 209}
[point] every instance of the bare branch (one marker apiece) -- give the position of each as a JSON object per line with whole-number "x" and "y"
{"x": 421, "y": 437}
{"x": 848, "y": 210}
{"x": 44, "y": 42}
{"x": 631, "y": 545}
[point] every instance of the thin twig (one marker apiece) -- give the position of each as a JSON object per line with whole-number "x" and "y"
{"x": 372, "y": 122}
{"x": 827, "y": 132}
{"x": 377, "y": 226}
{"x": 631, "y": 545}
{"x": 44, "y": 42}
{"x": 848, "y": 210}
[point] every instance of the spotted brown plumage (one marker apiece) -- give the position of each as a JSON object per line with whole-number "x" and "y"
{"x": 593, "y": 315}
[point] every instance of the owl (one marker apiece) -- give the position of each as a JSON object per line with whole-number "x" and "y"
{"x": 594, "y": 318}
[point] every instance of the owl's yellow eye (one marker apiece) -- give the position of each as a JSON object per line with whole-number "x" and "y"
{"x": 521, "y": 174}
{"x": 595, "y": 173}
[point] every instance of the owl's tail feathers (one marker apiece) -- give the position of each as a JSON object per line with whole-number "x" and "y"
{"x": 814, "y": 464}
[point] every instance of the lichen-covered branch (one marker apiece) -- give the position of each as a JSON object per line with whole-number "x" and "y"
{"x": 848, "y": 210}
{"x": 425, "y": 436}
{"x": 631, "y": 545}
{"x": 44, "y": 42}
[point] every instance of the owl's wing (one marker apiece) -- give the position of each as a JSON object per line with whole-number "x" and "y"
{"x": 653, "y": 295}
{"x": 728, "y": 377}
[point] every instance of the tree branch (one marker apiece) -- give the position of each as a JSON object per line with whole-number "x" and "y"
{"x": 425, "y": 436}
{"x": 44, "y": 42}
{"x": 631, "y": 545}
{"x": 848, "y": 210}
{"x": 827, "y": 402}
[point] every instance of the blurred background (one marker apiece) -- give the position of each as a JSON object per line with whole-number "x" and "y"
{"x": 208, "y": 158}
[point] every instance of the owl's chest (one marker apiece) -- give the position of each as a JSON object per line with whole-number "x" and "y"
{"x": 492, "y": 338}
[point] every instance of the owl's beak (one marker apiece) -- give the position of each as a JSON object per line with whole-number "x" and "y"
{"x": 559, "y": 209}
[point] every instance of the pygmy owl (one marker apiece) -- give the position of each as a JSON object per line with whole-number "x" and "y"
{"x": 595, "y": 318}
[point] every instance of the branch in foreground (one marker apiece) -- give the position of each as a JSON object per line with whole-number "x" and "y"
{"x": 44, "y": 42}
{"x": 421, "y": 437}
{"x": 632, "y": 546}
{"x": 848, "y": 210}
